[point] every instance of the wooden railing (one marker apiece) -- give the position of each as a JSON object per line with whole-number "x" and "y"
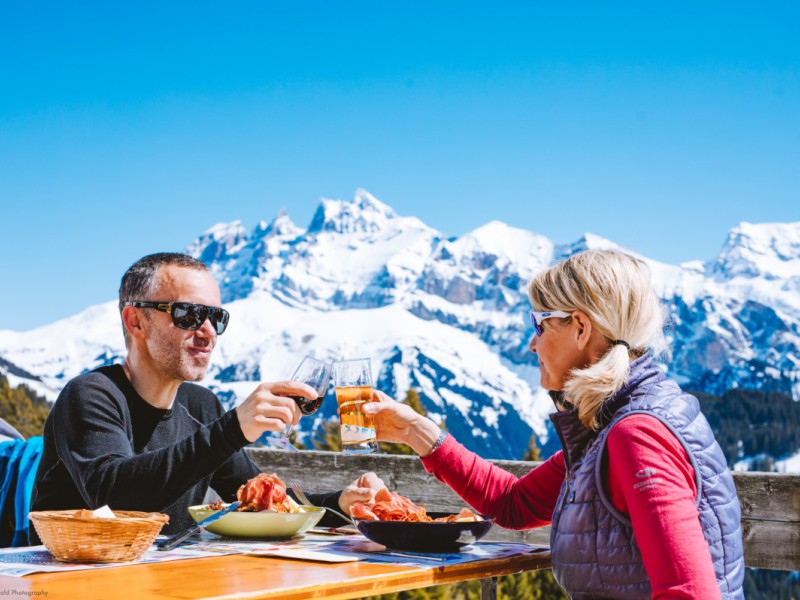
{"x": 770, "y": 502}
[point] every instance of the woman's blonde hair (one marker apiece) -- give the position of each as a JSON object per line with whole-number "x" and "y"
{"x": 614, "y": 290}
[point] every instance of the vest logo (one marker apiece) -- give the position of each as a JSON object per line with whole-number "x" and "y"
{"x": 645, "y": 473}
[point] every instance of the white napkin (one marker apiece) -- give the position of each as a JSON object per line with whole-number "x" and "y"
{"x": 104, "y": 512}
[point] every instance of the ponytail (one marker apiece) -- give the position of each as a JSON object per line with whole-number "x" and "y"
{"x": 588, "y": 388}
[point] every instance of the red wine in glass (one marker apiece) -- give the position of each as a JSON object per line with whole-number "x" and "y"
{"x": 312, "y": 372}
{"x": 307, "y": 406}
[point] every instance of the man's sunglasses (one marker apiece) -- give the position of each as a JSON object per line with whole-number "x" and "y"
{"x": 186, "y": 315}
{"x": 538, "y": 317}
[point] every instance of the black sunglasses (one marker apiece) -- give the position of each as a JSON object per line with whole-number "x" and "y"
{"x": 189, "y": 316}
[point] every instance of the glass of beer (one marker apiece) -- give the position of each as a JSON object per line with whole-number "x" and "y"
{"x": 352, "y": 381}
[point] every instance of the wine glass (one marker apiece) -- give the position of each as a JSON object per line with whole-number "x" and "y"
{"x": 317, "y": 374}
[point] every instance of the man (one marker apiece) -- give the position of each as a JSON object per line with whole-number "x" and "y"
{"x": 136, "y": 436}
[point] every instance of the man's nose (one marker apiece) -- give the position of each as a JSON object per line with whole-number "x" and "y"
{"x": 207, "y": 329}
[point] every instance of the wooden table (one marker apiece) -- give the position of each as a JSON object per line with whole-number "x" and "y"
{"x": 251, "y": 577}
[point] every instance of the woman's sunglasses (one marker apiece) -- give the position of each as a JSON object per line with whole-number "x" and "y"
{"x": 538, "y": 317}
{"x": 189, "y": 316}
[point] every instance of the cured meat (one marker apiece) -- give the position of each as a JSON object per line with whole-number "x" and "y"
{"x": 391, "y": 506}
{"x": 465, "y": 515}
{"x": 264, "y": 492}
{"x": 361, "y": 511}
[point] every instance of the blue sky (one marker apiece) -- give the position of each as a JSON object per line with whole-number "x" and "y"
{"x": 128, "y": 128}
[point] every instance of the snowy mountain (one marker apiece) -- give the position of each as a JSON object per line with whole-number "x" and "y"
{"x": 444, "y": 315}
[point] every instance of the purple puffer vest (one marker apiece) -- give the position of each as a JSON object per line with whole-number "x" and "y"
{"x": 594, "y": 549}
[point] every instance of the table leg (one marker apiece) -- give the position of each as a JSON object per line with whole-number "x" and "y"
{"x": 489, "y": 589}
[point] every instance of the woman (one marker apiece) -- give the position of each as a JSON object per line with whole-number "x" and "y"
{"x": 640, "y": 500}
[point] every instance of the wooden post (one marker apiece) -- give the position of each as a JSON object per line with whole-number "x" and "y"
{"x": 489, "y": 589}
{"x": 770, "y": 519}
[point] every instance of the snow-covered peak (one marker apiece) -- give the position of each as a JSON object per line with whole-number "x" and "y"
{"x": 367, "y": 201}
{"x": 364, "y": 213}
{"x": 498, "y": 241}
{"x": 588, "y": 241}
{"x": 225, "y": 232}
{"x": 694, "y": 266}
{"x": 504, "y": 240}
{"x": 281, "y": 225}
{"x": 765, "y": 250}
{"x": 219, "y": 241}
{"x": 596, "y": 242}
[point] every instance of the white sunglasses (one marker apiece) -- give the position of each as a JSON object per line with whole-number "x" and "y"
{"x": 538, "y": 317}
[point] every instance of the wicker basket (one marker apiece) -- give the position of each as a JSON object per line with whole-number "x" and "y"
{"x": 73, "y": 538}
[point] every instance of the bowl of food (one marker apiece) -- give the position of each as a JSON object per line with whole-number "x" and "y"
{"x": 260, "y": 524}
{"x": 395, "y": 522}
{"x": 266, "y": 511}
{"x": 425, "y": 536}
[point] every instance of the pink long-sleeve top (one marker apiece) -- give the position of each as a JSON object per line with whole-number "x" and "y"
{"x": 663, "y": 509}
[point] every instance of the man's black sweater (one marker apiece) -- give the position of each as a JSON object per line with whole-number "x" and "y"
{"x": 103, "y": 444}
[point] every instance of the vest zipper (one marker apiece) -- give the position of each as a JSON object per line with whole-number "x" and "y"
{"x": 567, "y": 491}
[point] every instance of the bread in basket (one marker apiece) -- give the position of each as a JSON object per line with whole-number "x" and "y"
{"x": 79, "y": 536}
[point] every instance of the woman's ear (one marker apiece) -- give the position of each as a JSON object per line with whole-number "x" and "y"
{"x": 583, "y": 328}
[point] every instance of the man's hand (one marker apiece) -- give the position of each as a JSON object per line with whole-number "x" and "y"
{"x": 362, "y": 489}
{"x": 269, "y": 408}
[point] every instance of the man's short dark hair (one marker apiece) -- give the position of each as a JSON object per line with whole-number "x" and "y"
{"x": 139, "y": 281}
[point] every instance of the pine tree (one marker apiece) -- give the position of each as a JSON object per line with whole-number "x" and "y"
{"x": 533, "y": 453}
{"x": 22, "y": 408}
{"x": 294, "y": 440}
{"x": 437, "y": 592}
{"x": 465, "y": 590}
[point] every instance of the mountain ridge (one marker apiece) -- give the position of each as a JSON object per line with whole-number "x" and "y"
{"x": 361, "y": 280}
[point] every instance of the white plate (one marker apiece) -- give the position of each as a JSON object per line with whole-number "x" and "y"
{"x": 260, "y": 524}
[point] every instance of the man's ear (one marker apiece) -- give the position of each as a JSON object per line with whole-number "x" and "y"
{"x": 583, "y": 328}
{"x": 132, "y": 321}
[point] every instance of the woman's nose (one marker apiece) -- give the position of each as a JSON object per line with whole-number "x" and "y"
{"x": 532, "y": 345}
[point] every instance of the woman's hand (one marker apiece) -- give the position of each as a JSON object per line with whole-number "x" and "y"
{"x": 398, "y": 422}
